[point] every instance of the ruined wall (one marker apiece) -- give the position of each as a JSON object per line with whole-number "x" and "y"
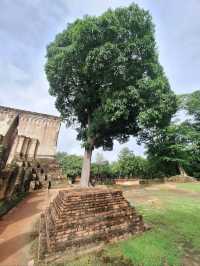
{"x": 8, "y": 133}
{"x": 37, "y": 133}
{"x": 8, "y": 124}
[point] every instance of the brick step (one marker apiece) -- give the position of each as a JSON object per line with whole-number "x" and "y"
{"x": 90, "y": 202}
{"x": 104, "y": 235}
{"x": 94, "y": 225}
{"x": 92, "y": 210}
{"x": 88, "y": 217}
{"x": 89, "y": 221}
{"x": 42, "y": 235}
{"x": 85, "y": 202}
{"x": 97, "y": 227}
{"x": 86, "y": 197}
{"x": 67, "y": 197}
{"x": 61, "y": 207}
{"x": 80, "y": 206}
{"x": 85, "y": 217}
{"x": 50, "y": 232}
{"x": 73, "y": 208}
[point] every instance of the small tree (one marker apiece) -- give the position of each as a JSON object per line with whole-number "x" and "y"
{"x": 130, "y": 165}
{"x": 60, "y": 156}
{"x": 101, "y": 171}
{"x": 107, "y": 80}
{"x": 191, "y": 103}
{"x": 71, "y": 165}
{"x": 172, "y": 147}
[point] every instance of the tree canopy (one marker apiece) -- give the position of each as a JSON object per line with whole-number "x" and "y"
{"x": 191, "y": 103}
{"x": 177, "y": 147}
{"x": 70, "y": 164}
{"x": 105, "y": 74}
{"x": 129, "y": 165}
{"x": 171, "y": 147}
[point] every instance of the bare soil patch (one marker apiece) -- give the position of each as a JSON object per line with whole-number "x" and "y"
{"x": 16, "y": 228}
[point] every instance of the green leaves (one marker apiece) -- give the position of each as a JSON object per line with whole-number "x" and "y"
{"x": 129, "y": 165}
{"x": 105, "y": 70}
{"x": 174, "y": 147}
{"x": 191, "y": 103}
{"x": 71, "y": 165}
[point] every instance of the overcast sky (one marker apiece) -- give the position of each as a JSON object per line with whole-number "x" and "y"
{"x": 27, "y": 26}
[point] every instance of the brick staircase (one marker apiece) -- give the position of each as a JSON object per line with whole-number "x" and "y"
{"x": 80, "y": 217}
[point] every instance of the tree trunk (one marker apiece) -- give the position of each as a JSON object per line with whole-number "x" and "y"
{"x": 181, "y": 170}
{"x": 85, "y": 174}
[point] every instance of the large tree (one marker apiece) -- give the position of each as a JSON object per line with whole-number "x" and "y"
{"x": 105, "y": 74}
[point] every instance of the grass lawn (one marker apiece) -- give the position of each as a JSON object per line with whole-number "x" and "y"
{"x": 174, "y": 239}
{"x": 190, "y": 186}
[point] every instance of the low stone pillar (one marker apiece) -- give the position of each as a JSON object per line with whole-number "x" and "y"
{"x": 20, "y": 146}
{"x": 33, "y": 148}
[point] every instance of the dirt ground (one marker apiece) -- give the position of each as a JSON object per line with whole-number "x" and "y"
{"x": 16, "y": 228}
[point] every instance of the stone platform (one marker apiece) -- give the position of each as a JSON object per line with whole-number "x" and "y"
{"x": 81, "y": 217}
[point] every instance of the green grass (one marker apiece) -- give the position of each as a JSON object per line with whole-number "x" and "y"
{"x": 189, "y": 186}
{"x": 153, "y": 248}
{"x": 174, "y": 226}
{"x": 175, "y": 229}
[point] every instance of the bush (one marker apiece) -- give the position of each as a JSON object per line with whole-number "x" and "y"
{"x": 71, "y": 165}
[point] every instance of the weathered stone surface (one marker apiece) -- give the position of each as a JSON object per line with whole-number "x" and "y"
{"x": 37, "y": 133}
{"x": 8, "y": 133}
{"x": 77, "y": 218}
{"x": 52, "y": 169}
{"x": 17, "y": 178}
{"x": 26, "y": 139}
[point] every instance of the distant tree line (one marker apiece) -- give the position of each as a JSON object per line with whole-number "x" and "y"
{"x": 128, "y": 165}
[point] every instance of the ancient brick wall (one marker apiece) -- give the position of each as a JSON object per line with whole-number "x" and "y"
{"x": 8, "y": 133}
{"x": 37, "y": 133}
